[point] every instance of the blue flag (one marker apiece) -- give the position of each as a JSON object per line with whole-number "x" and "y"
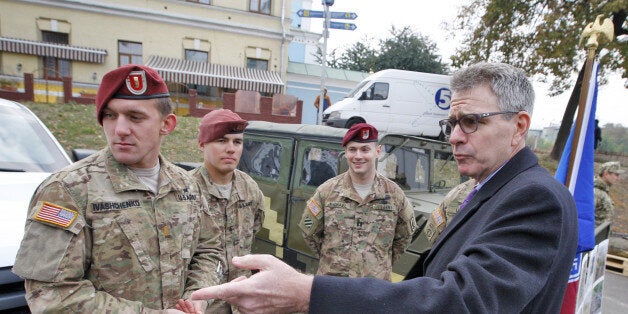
{"x": 581, "y": 183}
{"x": 581, "y": 187}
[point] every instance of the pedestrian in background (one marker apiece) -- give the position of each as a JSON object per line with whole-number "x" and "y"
{"x": 326, "y": 100}
{"x": 359, "y": 222}
{"x": 123, "y": 230}
{"x": 608, "y": 175}
{"x": 233, "y": 196}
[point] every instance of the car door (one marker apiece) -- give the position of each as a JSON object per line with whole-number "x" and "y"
{"x": 375, "y": 105}
{"x": 268, "y": 160}
{"x": 315, "y": 162}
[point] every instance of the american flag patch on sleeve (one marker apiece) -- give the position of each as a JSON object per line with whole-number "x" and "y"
{"x": 55, "y": 214}
{"x": 314, "y": 207}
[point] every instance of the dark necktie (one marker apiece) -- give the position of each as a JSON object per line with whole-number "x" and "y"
{"x": 467, "y": 199}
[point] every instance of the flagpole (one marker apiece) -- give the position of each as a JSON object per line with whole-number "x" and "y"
{"x": 597, "y": 32}
{"x": 584, "y": 92}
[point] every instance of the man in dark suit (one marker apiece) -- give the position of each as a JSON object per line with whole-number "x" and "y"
{"x": 509, "y": 249}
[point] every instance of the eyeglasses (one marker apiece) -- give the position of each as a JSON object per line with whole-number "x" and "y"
{"x": 469, "y": 122}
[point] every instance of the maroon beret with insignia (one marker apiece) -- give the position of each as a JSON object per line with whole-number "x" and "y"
{"x": 217, "y": 123}
{"x": 131, "y": 81}
{"x": 361, "y": 132}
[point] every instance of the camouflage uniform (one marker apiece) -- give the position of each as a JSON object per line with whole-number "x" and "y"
{"x": 603, "y": 203}
{"x": 355, "y": 237}
{"x": 239, "y": 218}
{"x": 124, "y": 250}
{"x": 443, "y": 214}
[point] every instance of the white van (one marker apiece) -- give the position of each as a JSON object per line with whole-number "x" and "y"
{"x": 395, "y": 101}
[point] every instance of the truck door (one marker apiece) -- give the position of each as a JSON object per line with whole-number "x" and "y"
{"x": 375, "y": 105}
{"x": 315, "y": 162}
{"x": 268, "y": 160}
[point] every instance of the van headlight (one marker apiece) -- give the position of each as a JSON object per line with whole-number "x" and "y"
{"x": 334, "y": 115}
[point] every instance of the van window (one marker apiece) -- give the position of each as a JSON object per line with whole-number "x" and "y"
{"x": 261, "y": 159}
{"x": 319, "y": 165}
{"x": 377, "y": 91}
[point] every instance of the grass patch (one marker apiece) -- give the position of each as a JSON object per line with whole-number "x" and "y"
{"x": 75, "y": 126}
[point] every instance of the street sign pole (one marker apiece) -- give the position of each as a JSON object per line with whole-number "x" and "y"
{"x": 321, "y": 99}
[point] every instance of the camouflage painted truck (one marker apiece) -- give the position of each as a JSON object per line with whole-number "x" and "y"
{"x": 289, "y": 161}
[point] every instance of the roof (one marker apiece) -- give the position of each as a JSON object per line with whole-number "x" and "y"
{"x": 204, "y": 73}
{"x": 47, "y": 49}
{"x": 315, "y": 70}
{"x": 297, "y": 130}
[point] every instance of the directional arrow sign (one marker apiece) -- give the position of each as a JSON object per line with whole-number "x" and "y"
{"x": 344, "y": 15}
{"x": 310, "y": 13}
{"x": 339, "y": 25}
{"x": 333, "y": 15}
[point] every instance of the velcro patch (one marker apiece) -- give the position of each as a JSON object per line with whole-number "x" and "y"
{"x": 314, "y": 207}
{"x": 56, "y": 215}
{"x": 438, "y": 217}
{"x": 308, "y": 222}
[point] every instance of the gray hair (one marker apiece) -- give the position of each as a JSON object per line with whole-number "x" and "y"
{"x": 511, "y": 86}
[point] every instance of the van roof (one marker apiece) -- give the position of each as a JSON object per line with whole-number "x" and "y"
{"x": 409, "y": 75}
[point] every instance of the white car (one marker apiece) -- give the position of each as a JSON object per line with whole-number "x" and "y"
{"x": 28, "y": 154}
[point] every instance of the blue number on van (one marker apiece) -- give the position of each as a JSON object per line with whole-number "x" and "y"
{"x": 443, "y": 98}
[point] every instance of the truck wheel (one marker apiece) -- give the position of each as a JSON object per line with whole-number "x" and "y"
{"x": 353, "y": 122}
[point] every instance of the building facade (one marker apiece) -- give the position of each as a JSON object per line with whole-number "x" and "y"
{"x": 214, "y": 46}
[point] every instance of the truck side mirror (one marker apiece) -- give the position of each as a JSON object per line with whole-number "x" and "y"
{"x": 363, "y": 96}
{"x": 343, "y": 164}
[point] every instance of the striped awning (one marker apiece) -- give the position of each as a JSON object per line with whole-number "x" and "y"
{"x": 46, "y": 49}
{"x": 203, "y": 73}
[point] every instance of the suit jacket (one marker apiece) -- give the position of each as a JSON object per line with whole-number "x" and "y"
{"x": 509, "y": 250}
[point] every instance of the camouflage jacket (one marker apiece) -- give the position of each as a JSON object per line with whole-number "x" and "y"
{"x": 442, "y": 215}
{"x": 355, "y": 237}
{"x": 603, "y": 204}
{"x": 239, "y": 217}
{"x": 97, "y": 239}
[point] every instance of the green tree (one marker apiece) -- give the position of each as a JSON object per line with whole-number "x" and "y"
{"x": 614, "y": 139}
{"x": 359, "y": 57}
{"x": 407, "y": 50}
{"x": 403, "y": 50}
{"x": 542, "y": 37}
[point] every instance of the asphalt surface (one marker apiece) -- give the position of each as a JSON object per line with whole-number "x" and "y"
{"x": 615, "y": 293}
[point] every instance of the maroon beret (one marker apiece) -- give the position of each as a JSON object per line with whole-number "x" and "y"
{"x": 131, "y": 81}
{"x": 361, "y": 132}
{"x": 217, "y": 123}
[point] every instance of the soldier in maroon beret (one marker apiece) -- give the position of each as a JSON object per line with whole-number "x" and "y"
{"x": 234, "y": 197}
{"x": 124, "y": 230}
{"x": 359, "y": 222}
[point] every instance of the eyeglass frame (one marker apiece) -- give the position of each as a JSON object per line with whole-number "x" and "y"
{"x": 451, "y": 123}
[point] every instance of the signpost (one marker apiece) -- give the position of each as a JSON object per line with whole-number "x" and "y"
{"x": 341, "y": 25}
{"x": 327, "y": 24}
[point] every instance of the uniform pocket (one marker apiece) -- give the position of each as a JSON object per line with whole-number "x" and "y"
{"x": 120, "y": 253}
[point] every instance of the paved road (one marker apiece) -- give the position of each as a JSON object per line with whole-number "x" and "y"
{"x": 615, "y": 294}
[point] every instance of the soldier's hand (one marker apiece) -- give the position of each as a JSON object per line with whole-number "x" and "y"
{"x": 276, "y": 288}
{"x": 191, "y": 307}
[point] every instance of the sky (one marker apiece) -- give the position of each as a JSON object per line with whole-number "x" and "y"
{"x": 375, "y": 19}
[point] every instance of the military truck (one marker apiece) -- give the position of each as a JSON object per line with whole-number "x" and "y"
{"x": 289, "y": 161}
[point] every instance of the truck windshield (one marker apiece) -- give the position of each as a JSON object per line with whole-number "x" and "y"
{"x": 410, "y": 168}
{"x": 356, "y": 89}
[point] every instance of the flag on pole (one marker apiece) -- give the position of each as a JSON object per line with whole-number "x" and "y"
{"x": 581, "y": 187}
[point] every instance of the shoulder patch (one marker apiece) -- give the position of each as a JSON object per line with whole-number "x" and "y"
{"x": 314, "y": 207}
{"x": 56, "y": 215}
{"x": 438, "y": 217}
